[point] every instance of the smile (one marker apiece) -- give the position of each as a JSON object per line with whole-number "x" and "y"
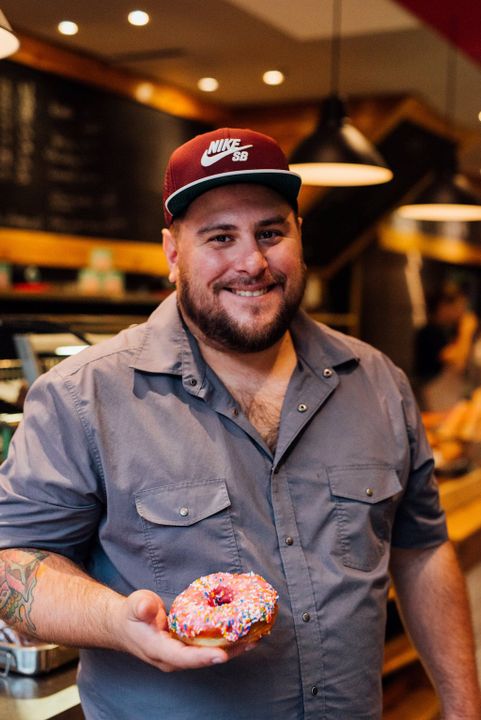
{"x": 250, "y": 293}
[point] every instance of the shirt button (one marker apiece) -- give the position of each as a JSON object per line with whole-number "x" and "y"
{"x": 327, "y": 372}
{"x": 306, "y": 617}
{"x": 369, "y": 492}
{"x": 302, "y": 407}
{"x": 183, "y": 512}
{"x": 314, "y": 690}
{"x": 193, "y": 382}
{"x": 235, "y": 412}
{"x": 289, "y": 540}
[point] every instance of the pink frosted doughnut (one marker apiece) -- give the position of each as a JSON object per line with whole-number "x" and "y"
{"x": 222, "y": 609}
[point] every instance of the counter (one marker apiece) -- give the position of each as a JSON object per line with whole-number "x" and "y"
{"x": 41, "y": 697}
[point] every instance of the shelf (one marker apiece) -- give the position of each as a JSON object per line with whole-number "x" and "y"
{"x": 69, "y": 297}
{"x": 62, "y": 303}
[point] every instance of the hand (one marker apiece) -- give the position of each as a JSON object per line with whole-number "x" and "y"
{"x": 143, "y": 623}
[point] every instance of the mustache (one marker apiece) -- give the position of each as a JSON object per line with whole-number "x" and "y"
{"x": 240, "y": 281}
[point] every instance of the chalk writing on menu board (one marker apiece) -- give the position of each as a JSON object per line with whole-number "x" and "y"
{"x": 78, "y": 160}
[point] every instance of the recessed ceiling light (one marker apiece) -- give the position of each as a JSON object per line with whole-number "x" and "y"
{"x": 144, "y": 92}
{"x": 138, "y": 17}
{"x": 67, "y": 27}
{"x": 273, "y": 77}
{"x": 208, "y": 84}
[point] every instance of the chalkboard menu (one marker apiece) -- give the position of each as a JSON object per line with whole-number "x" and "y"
{"x": 78, "y": 160}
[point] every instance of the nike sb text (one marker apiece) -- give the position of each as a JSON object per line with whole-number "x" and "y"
{"x": 222, "y": 148}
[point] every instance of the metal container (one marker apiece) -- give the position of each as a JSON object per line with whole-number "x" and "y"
{"x": 33, "y": 659}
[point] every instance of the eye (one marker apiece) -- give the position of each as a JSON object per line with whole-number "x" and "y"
{"x": 220, "y": 239}
{"x": 269, "y": 234}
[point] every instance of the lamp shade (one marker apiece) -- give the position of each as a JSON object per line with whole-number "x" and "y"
{"x": 337, "y": 154}
{"x": 9, "y": 42}
{"x": 447, "y": 198}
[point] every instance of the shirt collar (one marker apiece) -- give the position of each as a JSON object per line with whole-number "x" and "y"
{"x": 169, "y": 347}
{"x": 166, "y": 344}
{"x": 320, "y": 346}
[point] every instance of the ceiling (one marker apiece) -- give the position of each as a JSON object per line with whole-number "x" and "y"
{"x": 385, "y": 48}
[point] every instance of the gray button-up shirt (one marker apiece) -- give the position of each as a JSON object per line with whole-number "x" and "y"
{"x": 135, "y": 461}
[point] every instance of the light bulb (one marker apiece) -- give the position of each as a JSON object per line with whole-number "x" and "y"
{"x": 273, "y": 77}
{"x": 67, "y": 27}
{"x": 208, "y": 84}
{"x": 138, "y": 17}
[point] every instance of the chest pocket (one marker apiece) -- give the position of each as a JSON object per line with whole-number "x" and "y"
{"x": 188, "y": 532}
{"x": 365, "y": 500}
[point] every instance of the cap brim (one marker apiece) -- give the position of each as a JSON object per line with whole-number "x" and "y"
{"x": 285, "y": 182}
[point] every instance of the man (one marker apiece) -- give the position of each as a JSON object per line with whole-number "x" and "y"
{"x": 231, "y": 433}
{"x": 443, "y": 350}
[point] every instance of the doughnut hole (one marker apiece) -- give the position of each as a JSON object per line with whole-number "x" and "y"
{"x": 220, "y": 595}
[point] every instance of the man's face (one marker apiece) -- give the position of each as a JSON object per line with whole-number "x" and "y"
{"x": 236, "y": 259}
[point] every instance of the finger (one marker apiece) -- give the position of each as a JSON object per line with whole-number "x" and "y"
{"x": 179, "y": 656}
{"x": 240, "y": 649}
{"x": 145, "y": 606}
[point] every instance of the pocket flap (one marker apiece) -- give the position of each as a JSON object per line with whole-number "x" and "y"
{"x": 364, "y": 483}
{"x": 182, "y": 505}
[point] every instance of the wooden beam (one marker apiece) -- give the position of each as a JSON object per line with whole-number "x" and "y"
{"x": 51, "y": 58}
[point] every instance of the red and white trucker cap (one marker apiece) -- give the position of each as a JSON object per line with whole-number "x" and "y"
{"x": 222, "y": 157}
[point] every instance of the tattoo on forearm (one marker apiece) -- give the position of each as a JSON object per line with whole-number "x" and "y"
{"x": 18, "y": 577}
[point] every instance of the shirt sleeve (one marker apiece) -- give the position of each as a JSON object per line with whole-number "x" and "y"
{"x": 51, "y": 494}
{"x": 420, "y": 520}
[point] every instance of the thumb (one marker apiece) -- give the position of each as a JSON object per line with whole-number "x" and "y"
{"x": 145, "y": 606}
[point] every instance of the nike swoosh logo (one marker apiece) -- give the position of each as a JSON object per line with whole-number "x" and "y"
{"x": 207, "y": 160}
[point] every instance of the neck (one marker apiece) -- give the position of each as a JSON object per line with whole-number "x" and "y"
{"x": 258, "y": 381}
{"x": 278, "y": 360}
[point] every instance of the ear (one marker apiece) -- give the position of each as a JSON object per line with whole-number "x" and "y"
{"x": 169, "y": 244}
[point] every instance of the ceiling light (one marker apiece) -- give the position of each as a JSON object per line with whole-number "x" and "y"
{"x": 336, "y": 153}
{"x": 449, "y": 196}
{"x": 273, "y": 77}
{"x": 437, "y": 212}
{"x": 8, "y": 41}
{"x": 138, "y": 17}
{"x": 144, "y": 92}
{"x": 67, "y": 27}
{"x": 208, "y": 84}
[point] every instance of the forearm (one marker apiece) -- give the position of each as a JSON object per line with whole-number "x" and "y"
{"x": 433, "y": 602}
{"x": 49, "y": 597}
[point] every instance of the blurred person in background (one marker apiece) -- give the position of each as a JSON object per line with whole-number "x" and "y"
{"x": 444, "y": 349}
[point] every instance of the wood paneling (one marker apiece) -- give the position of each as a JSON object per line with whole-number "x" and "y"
{"x": 50, "y": 58}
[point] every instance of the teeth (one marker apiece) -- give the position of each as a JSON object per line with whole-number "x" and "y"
{"x": 250, "y": 293}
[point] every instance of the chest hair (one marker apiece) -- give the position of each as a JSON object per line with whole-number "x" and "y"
{"x": 259, "y": 386}
{"x": 263, "y": 409}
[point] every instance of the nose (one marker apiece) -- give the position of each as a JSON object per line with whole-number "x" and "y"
{"x": 251, "y": 259}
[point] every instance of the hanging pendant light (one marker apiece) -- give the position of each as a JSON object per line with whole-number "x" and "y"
{"x": 448, "y": 197}
{"x": 337, "y": 154}
{"x": 9, "y": 42}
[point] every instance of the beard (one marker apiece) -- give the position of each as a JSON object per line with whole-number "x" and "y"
{"x": 221, "y": 330}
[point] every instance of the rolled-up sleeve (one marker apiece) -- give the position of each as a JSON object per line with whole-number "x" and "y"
{"x": 420, "y": 520}
{"x": 51, "y": 492}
